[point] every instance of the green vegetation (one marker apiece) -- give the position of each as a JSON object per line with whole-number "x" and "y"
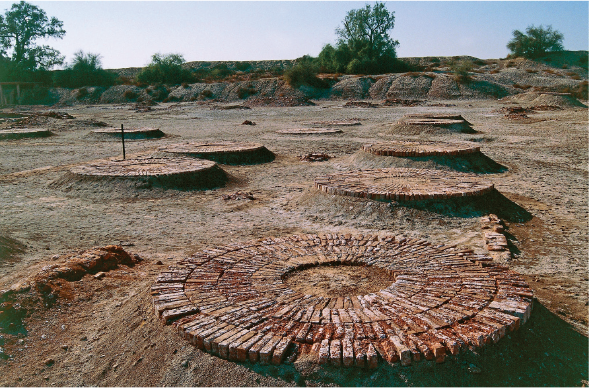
{"x": 165, "y": 69}
{"x": 304, "y": 72}
{"x": 536, "y": 42}
{"x": 460, "y": 69}
{"x": 21, "y": 59}
{"x": 364, "y": 45}
{"x": 85, "y": 70}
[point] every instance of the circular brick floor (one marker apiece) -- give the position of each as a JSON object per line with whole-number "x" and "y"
{"x": 233, "y": 301}
{"x": 130, "y": 134}
{"x": 223, "y": 152}
{"x": 22, "y": 133}
{"x": 309, "y": 131}
{"x": 403, "y": 184}
{"x": 420, "y": 148}
{"x": 173, "y": 172}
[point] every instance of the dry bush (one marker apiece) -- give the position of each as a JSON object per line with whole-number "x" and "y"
{"x": 524, "y": 87}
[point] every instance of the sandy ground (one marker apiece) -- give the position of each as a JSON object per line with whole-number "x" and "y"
{"x": 104, "y": 332}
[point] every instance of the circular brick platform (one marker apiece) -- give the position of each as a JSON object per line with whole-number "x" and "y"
{"x": 403, "y": 184}
{"x": 309, "y": 131}
{"x": 223, "y": 152}
{"x": 337, "y": 123}
{"x": 232, "y": 301}
{"x": 23, "y": 133}
{"x": 431, "y": 123}
{"x": 420, "y": 148}
{"x": 130, "y": 134}
{"x": 163, "y": 172}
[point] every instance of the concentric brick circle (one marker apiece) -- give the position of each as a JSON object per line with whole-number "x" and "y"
{"x": 309, "y": 131}
{"x": 175, "y": 172}
{"x": 417, "y": 148}
{"x": 22, "y": 133}
{"x": 232, "y": 301}
{"x": 223, "y": 152}
{"x": 403, "y": 184}
{"x": 130, "y": 134}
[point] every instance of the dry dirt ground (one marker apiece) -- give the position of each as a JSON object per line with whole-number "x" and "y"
{"x": 104, "y": 332}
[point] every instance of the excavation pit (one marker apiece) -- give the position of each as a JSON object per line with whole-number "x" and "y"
{"x": 223, "y": 152}
{"x": 185, "y": 173}
{"x": 130, "y": 134}
{"x": 403, "y": 184}
{"x": 420, "y": 148}
{"x": 309, "y": 131}
{"x": 242, "y": 302}
{"x": 24, "y": 133}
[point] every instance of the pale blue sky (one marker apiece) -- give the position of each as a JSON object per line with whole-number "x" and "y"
{"x": 127, "y": 33}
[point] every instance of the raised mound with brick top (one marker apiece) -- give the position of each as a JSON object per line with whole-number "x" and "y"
{"x": 173, "y": 172}
{"x": 309, "y": 131}
{"x": 23, "y": 133}
{"x": 223, "y": 152}
{"x": 420, "y": 148}
{"x": 130, "y": 134}
{"x": 403, "y": 184}
{"x": 432, "y": 123}
{"x": 237, "y": 301}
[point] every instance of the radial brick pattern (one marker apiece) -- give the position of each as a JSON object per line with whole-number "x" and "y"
{"x": 231, "y": 301}
{"x": 142, "y": 167}
{"x": 309, "y": 131}
{"x": 165, "y": 172}
{"x": 420, "y": 148}
{"x": 403, "y": 184}
{"x": 21, "y": 133}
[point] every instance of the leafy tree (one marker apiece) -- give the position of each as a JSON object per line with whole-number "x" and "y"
{"x": 20, "y": 28}
{"x": 364, "y": 44}
{"x": 165, "y": 69}
{"x": 536, "y": 42}
{"x": 85, "y": 70}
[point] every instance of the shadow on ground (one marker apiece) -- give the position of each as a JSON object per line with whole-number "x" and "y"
{"x": 546, "y": 351}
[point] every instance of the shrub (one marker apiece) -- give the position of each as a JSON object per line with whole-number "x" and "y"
{"x": 165, "y": 69}
{"x": 246, "y": 92}
{"x": 524, "y": 87}
{"x": 304, "y": 72}
{"x": 243, "y": 66}
{"x": 85, "y": 70}
{"x": 130, "y": 94}
{"x": 536, "y": 42}
{"x": 580, "y": 91}
{"x": 461, "y": 69}
{"x": 206, "y": 93}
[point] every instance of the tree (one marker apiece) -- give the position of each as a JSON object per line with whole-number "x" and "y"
{"x": 165, "y": 69}
{"x": 536, "y": 42}
{"x": 364, "y": 44}
{"x": 85, "y": 70}
{"x": 20, "y": 28}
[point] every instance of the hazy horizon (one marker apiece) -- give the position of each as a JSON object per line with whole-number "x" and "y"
{"x": 128, "y": 33}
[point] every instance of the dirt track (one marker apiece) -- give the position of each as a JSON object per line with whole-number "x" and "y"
{"x": 44, "y": 214}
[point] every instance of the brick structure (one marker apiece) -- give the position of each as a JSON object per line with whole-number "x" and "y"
{"x": 403, "y": 184}
{"x": 163, "y": 172}
{"x": 416, "y": 148}
{"x": 23, "y": 133}
{"x": 130, "y": 134}
{"x": 309, "y": 131}
{"x": 431, "y": 123}
{"x": 225, "y": 152}
{"x": 231, "y": 301}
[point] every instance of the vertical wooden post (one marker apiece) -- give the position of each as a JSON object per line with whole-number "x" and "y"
{"x": 18, "y": 93}
{"x": 123, "y": 138}
{"x": 1, "y": 96}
